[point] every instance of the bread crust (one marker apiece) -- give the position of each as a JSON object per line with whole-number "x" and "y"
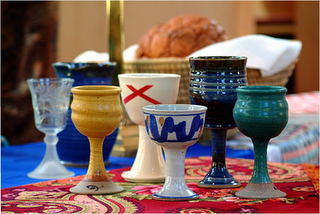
{"x": 179, "y": 37}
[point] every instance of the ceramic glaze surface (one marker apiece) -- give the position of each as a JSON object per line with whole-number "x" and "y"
{"x": 141, "y": 89}
{"x": 261, "y": 108}
{"x": 70, "y": 138}
{"x": 138, "y": 90}
{"x": 86, "y": 73}
{"x": 96, "y": 110}
{"x": 181, "y": 126}
{"x": 213, "y": 83}
{"x": 174, "y": 128}
{"x": 96, "y": 113}
{"x": 261, "y": 113}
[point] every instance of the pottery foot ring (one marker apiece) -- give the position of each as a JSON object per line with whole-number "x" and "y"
{"x": 260, "y": 191}
{"x": 96, "y": 188}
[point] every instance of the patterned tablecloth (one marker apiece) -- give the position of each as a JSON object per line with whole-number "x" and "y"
{"x": 299, "y": 141}
{"x": 300, "y": 182}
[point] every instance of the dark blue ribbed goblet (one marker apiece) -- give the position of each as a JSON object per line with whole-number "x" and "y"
{"x": 213, "y": 83}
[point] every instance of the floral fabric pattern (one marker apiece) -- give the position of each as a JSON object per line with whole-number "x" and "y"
{"x": 54, "y": 196}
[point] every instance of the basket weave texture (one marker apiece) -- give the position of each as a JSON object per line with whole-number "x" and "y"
{"x": 181, "y": 66}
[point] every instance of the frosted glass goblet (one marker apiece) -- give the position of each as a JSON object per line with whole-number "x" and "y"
{"x": 50, "y": 101}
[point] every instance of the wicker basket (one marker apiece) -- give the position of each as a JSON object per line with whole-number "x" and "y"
{"x": 181, "y": 66}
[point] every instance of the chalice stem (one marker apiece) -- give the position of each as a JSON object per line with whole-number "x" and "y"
{"x": 51, "y": 154}
{"x": 149, "y": 158}
{"x": 260, "y": 170}
{"x": 175, "y": 187}
{"x": 149, "y": 152}
{"x": 50, "y": 166}
{"x": 218, "y": 175}
{"x": 96, "y": 170}
{"x": 219, "y": 138}
{"x": 175, "y": 159}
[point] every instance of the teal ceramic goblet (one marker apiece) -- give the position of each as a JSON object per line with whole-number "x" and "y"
{"x": 261, "y": 113}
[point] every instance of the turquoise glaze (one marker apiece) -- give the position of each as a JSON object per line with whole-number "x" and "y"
{"x": 261, "y": 113}
{"x": 261, "y": 108}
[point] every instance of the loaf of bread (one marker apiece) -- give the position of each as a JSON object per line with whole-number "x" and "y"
{"x": 179, "y": 37}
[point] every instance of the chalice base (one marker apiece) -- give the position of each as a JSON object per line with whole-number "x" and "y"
{"x": 131, "y": 177}
{"x": 218, "y": 177}
{"x": 260, "y": 191}
{"x": 96, "y": 187}
{"x": 216, "y": 184}
{"x": 175, "y": 189}
{"x": 50, "y": 170}
{"x": 174, "y": 198}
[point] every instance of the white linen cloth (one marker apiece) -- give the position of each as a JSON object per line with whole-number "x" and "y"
{"x": 94, "y": 56}
{"x": 269, "y": 54}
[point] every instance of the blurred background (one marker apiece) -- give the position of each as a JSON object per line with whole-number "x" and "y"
{"x": 36, "y": 34}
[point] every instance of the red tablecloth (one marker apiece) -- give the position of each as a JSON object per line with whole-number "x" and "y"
{"x": 300, "y": 182}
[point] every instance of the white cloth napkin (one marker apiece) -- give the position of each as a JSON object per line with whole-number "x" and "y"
{"x": 269, "y": 54}
{"x": 94, "y": 56}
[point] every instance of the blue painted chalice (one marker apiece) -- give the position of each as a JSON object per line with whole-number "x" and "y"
{"x": 175, "y": 128}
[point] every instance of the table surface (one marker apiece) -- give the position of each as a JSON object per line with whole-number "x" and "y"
{"x": 299, "y": 182}
{"x": 18, "y": 160}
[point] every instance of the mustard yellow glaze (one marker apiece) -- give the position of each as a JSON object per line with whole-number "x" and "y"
{"x": 96, "y": 113}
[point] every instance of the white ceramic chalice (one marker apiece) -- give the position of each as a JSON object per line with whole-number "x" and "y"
{"x": 175, "y": 128}
{"x": 138, "y": 90}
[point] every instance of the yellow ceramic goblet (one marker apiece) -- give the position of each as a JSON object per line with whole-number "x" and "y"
{"x": 96, "y": 113}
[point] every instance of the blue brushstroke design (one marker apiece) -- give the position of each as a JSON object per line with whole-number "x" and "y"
{"x": 170, "y": 127}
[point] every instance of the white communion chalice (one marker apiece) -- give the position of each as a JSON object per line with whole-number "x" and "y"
{"x": 138, "y": 90}
{"x": 175, "y": 128}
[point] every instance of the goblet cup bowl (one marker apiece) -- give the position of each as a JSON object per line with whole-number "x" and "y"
{"x": 138, "y": 90}
{"x": 261, "y": 113}
{"x": 96, "y": 113}
{"x": 213, "y": 83}
{"x": 50, "y": 101}
{"x": 174, "y": 128}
